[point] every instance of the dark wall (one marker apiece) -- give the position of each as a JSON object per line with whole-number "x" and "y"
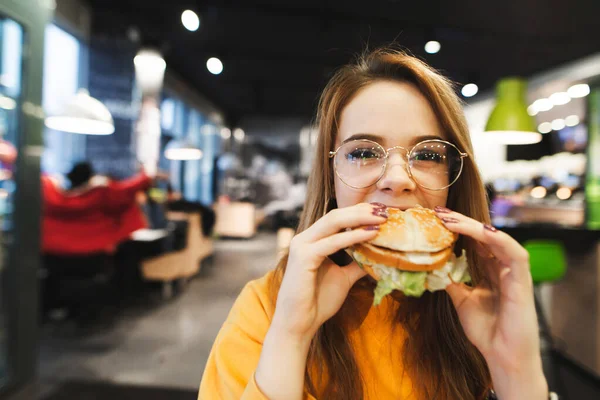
{"x": 112, "y": 80}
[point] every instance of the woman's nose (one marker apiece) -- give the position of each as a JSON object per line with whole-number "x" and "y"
{"x": 396, "y": 176}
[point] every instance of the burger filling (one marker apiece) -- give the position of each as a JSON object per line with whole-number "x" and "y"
{"x": 416, "y": 283}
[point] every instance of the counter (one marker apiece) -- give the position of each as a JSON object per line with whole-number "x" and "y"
{"x": 572, "y": 305}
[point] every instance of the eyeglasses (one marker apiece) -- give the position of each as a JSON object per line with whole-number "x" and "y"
{"x": 432, "y": 164}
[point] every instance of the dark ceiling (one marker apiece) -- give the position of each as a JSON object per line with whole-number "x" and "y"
{"x": 278, "y": 54}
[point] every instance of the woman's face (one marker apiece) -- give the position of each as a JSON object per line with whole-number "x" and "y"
{"x": 391, "y": 114}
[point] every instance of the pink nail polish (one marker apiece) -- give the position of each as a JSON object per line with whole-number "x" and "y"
{"x": 371, "y": 228}
{"x": 379, "y": 205}
{"x": 450, "y": 220}
{"x": 380, "y": 213}
{"x": 442, "y": 210}
{"x": 490, "y": 228}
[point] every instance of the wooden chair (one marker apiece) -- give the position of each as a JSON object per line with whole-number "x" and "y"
{"x": 178, "y": 266}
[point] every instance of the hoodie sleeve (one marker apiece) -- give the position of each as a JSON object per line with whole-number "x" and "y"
{"x": 229, "y": 371}
{"x": 121, "y": 194}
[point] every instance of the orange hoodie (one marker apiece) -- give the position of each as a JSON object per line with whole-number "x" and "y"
{"x": 229, "y": 372}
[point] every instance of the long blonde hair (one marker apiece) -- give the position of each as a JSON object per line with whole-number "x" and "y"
{"x": 438, "y": 357}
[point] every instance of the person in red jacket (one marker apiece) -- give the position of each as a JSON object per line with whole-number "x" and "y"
{"x": 93, "y": 216}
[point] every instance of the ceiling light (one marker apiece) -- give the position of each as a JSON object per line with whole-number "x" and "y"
{"x": 558, "y": 124}
{"x": 190, "y": 20}
{"x": 579, "y": 90}
{"x": 509, "y": 122}
{"x": 564, "y": 193}
{"x": 214, "y": 65}
{"x": 532, "y": 110}
{"x": 182, "y": 150}
{"x": 542, "y": 105}
{"x": 432, "y": 47}
{"x": 545, "y": 127}
{"x": 149, "y": 70}
{"x": 469, "y": 90}
{"x": 538, "y": 192}
{"x": 225, "y": 133}
{"x": 83, "y": 114}
{"x": 239, "y": 134}
{"x": 572, "y": 120}
{"x": 560, "y": 98}
{"x": 7, "y": 103}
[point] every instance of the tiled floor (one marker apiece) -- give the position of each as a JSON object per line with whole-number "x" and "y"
{"x": 166, "y": 344}
{"x": 160, "y": 344}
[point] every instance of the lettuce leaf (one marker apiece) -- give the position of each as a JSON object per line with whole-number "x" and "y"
{"x": 414, "y": 284}
{"x": 384, "y": 287}
{"x": 409, "y": 283}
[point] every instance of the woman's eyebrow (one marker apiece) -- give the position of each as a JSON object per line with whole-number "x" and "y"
{"x": 380, "y": 139}
{"x": 419, "y": 139}
{"x": 367, "y": 136}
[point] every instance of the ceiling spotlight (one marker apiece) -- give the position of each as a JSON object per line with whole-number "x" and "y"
{"x": 225, "y": 133}
{"x": 558, "y": 124}
{"x": 532, "y": 110}
{"x": 560, "y": 98}
{"x": 579, "y": 90}
{"x": 469, "y": 90}
{"x": 542, "y": 105}
{"x": 433, "y": 47}
{"x": 238, "y": 134}
{"x": 538, "y": 192}
{"x": 214, "y": 66}
{"x": 545, "y": 127}
{"x": 564, "y": 193}
{"x": 190, "y": 20}
{"x": 572, "y": 120}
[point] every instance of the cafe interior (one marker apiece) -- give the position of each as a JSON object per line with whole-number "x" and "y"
{"x": 201, "y": 115}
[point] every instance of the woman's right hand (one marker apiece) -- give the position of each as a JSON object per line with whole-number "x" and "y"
{"x": 313, "y": 287}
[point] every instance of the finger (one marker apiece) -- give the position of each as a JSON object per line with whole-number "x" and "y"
{"x": 507, "y": 250}
{"x": 488, "y": 257}
{"x": 341, "y": 218}
{"x": 354, "y": 272}
{"x": 342, "y": 240}
{"x": 459, "y": 293}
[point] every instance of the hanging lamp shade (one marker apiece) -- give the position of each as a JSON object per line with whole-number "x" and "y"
{"x": 83, "y": 114}
{"x": 509, "y": 122}
{"x": 182, "y": 150}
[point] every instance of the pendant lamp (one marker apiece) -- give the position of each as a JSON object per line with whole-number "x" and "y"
{"x": 509, "y": 122}
{"x": 83, "y": 114}
{"x": 182, "y": 150}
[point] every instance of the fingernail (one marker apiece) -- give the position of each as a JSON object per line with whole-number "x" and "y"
{"x": 442, "y": 210}
{"x": 371, "y": 228}
{"x": 379, "y": 205}
{"x": 380, "y": 213}
{"x": 450, "y": 220}
{"x": 490, "y": 228}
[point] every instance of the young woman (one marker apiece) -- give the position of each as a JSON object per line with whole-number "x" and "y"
{"x": 308, "y": 329}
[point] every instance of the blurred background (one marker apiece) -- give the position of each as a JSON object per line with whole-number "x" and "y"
{"x": 197, "y": 120}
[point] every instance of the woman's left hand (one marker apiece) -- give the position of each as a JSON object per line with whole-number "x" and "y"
{"x": 500, "y": 318}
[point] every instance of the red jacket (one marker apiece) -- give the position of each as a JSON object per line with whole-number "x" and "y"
{"x": 92, "y": 219}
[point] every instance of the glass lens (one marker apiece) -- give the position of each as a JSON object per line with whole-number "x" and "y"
{"x": 360, "y": 163}
{"x": 434, "y": 164}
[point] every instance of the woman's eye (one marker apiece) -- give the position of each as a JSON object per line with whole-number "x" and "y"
{"x": 428, "y": 156}
{"x": 362, "y": 154}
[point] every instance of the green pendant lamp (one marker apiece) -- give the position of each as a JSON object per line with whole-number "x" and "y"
{"x": 509, "y": 122}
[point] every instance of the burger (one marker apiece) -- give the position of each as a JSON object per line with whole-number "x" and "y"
{"x": 413, "y": 252}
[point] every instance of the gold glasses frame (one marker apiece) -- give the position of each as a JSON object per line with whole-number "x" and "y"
{"x": 408, "y": 153}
